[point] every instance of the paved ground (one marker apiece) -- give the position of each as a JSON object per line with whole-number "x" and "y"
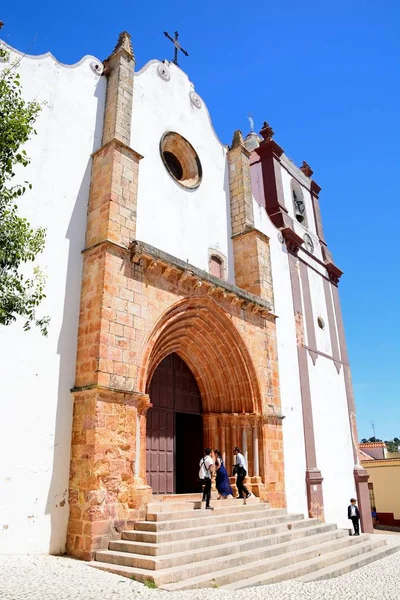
{"x": 59, "y": 578}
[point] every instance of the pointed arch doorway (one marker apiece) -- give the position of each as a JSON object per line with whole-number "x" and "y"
{"x": 174, "y": 432}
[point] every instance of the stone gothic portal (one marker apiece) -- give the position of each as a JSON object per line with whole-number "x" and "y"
{"x": 174, "y": 435}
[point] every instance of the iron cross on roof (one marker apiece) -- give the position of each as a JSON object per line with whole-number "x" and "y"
{"x": 177, "y": 46}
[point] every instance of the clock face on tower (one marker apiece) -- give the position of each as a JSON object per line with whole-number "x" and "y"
{"x": 309, "y": 244}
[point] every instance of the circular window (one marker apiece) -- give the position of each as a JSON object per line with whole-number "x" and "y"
{"x": 321, "y": 323}
{"x": 181, "y": 160}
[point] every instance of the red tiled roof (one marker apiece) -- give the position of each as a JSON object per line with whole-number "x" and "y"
{"x": 373, "y": 445}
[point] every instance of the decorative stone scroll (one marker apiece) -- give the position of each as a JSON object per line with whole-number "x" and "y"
{"x": 97, "y": 67}
{"x": 194, "y": 99}
{"x": 163, "y": 72}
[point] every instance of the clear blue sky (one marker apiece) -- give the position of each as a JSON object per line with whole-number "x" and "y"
{"x": 326, "y": 77}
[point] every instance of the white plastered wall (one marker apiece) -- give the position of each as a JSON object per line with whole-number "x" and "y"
{"x": 330, "y": 415}
{"x": 328, "y": 394}
{"x": 331, "y": 422}
{"x": 182, "y": 222}
{"x": 289, "y": 380}
{"x": 38, "y": 372}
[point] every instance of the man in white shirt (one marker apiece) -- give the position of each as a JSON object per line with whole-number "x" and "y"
{"x": 241, "y": 472}
{"x": 206, "y": 469}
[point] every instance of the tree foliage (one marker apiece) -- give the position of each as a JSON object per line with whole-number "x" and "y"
{"x": 20, "y": 294}
{"x": 393, "y": 445}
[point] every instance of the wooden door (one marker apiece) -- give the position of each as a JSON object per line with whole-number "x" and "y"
{"x": 173, "y": 391}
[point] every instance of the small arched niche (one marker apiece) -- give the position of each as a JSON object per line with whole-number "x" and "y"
{"x": 216, "y": 263}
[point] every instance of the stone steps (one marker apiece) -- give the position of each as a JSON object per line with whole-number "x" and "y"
{"x": 277, "y": 518}
{"x": 182, "y": 546}
{"x": 224, "y": 507}
{"x": 227, "y": 554}
{"x": 234, "y": 574}
{"x": 196, "y": 503}
{"x": 315, "y": 560}
{"x": 199, "y": 518}
{"x": 345, "y": 566}
{"x": 300, "y": 528}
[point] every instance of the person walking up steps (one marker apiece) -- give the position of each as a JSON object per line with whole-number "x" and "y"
{"x": 222, "y": 480}
{"x": 205, "y": 473}
{"x": 240, "y": 470}
{"x": 354, "y": 514}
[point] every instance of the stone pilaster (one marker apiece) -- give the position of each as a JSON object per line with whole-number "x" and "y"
{"x": 270, "y": 154}
{"x": 118, "y": 68}
{"x": 242, "y": 216}
{"x": 253, "y": 271}
{"x": 113, "y": 191}
{"x": 111, "y": 226}
{"x": 107, "y": 488}
{"x": 104, "y": 495}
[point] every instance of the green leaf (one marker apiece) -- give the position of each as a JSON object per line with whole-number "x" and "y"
{"x": 19, "y": 242}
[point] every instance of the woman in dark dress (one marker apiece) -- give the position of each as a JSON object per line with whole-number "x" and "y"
{"x": 222, "y": 480}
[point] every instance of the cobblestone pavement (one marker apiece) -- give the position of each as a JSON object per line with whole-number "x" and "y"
{"x": 60, "y": 578}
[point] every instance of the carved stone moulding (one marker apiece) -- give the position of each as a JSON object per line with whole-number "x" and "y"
{"x": 334, "y": 273}
{"x": 177, "y": 271}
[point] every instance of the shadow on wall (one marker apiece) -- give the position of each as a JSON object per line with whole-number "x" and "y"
{"x": 57, "y": 500}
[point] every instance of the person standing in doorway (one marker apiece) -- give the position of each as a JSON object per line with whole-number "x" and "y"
{"x": 354, "y": 514}
{"x": 240, "y": 470}
{"x": 205, "y": 474}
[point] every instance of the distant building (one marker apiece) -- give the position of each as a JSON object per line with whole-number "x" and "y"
{"x": 373, "y": 450}
{"x": 384, "y": 485}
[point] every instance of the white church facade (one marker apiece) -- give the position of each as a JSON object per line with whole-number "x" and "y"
{"x": 193, "y": 302}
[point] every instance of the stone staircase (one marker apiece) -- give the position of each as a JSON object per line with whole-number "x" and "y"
{"x": 240, "y": 544}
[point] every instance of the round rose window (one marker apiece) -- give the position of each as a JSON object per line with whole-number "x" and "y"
{"x": 181, "y": 160}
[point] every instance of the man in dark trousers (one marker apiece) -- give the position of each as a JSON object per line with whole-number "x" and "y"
{"x": 240, "y": 469}
{"x": 354, "y": 514}
{"x": 205, "y": 474}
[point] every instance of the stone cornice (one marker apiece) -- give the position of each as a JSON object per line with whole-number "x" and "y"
{"x": 315, "y": 188}
{"x": 150, "y": 258}
{"x": 306, "y": 169}
{"x": 254, "y": 230}
{"x": 269, "y": 147}
{"x": 293, "y": 241}
{"x": 116, "y": 395}
{"x": 334, "y": 273}
{"x": 116, "y": 142}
